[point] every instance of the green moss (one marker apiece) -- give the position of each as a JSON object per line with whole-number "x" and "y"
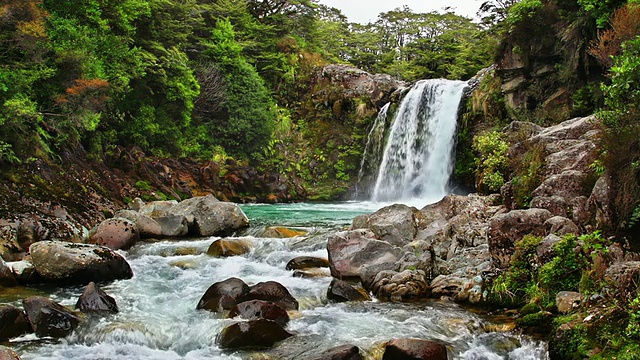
{"x": 143, "y": 185}
{"x": 538, "y": 319}
{"x": 530, "y": 308}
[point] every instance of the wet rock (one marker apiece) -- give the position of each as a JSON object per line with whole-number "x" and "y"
{"x": 344, "y": 352}
{"x": 506, "y": 229}
{"x": 116, "y": 234}
{"x": 568, "y": 301}
{"x": 259, "y": 333}
{"x": 410, "y": 349}
{"x": 71, "y": 263}
{"x": 403, "y": 286}
{"x": 13, "y": 322}
{"x": 282, "y": 232}
{"x": 352, "y": 252}
{"x": 147, "y": 227}
{"x": 341, "y": 291}
{"x": 259, "y": 309}
{"x": 395, "y": 224}
{"x": 271, "y": 291}
{"x": 312, "y": 273}
{"x": 211, "y": 217}
{"x": 93, "y": 299}
{"x": 6, "y": 275}
{"x": 8, "y": 354}
{"x": 307, "y": 262}
{"x": 48, "y": 318}
{"x": 223, "y": 295}
{"x": 227, "y": 248}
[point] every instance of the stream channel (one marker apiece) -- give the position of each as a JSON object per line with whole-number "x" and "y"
{"x": 158, "y": 317}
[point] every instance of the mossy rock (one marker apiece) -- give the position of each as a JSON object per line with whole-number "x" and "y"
{"x": 538, "y": 319}
{"x": 529, "y": 309}
{"x": 569, "y": 342}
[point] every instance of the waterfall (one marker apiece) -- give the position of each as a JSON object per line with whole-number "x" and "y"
{"x": 372, "y": 154}
{"x": 417, "y": 160}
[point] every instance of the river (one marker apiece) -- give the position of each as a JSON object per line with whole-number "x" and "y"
{"x": 158, "y": 317}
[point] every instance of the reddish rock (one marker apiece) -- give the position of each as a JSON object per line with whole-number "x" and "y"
{"x": 307, "y": 262}
{"x": 93, "y": 299}
{"x": 341, "y": 291}
{"x": 223, "y": 295}
{"x": 274, "y": 292}
{"x": 251, "y": 334}
{"x": 13, "y": 322}
{"x": 344, "y": 352}
{"x": 8, "y": 354}
{"x": 414, "y": 349}
{"x": 48, "y": 318}
{"x": 6, "y": 275}
{"x": 116, "y": 234}
{"x": 259, "y": 309}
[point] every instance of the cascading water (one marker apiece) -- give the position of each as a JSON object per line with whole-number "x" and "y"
{"x": 373, "y": 149}
{"x": 417, "y": 160}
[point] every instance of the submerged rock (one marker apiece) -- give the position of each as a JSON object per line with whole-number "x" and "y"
{"x": 410, "y": 349}
{"x": 48, "y": 318}
{"x": 227, "y": 248}
{"x": 341, "y": 291}
{"x": 13, "y": 322}
{"x": 94, "y": 299}
{"x": 116, "y": 234}
{"x": 252, "y": 334}
{"x": 223, "y": 295}
{"x": 344, "y": 352}
{"x": 271, "y": 291}
{"x": 259, "y": 309}
{"x": 306, "y": 262}
{"x": 282, "y": 232}
{"x": 72, "y": 263}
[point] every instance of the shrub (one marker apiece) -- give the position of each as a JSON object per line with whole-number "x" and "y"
{"x": 491, "y": 159}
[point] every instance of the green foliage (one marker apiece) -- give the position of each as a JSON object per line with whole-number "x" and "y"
{"x": 522, "y": 11}
{"x": 564, "y": 272}
{"x": 527, "y": 175}
{"x": 491, "y": 159}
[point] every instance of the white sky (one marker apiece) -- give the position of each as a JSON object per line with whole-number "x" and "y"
{"x": 364, "y": 11}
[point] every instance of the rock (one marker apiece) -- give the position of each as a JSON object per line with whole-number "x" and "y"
{"x": 93, "y": 299}
{"x": 601, "y": 203}
{"x": 546, "y": 249}
{"x": 281, "y": 232}
{"x": 259, "y": 309}
{"x": 567, "y": 185}
{"x": 6, "y": 275}
{"x": 555, "y": 204}
{"x": 341, "y": 291}
{"x": 259, "y": 333}
{"x": 24, "y": 272}
{"x": 307, "y": 262}
{"x": 271, "y": 291}
{"x": 136, "y": 204}
{"x": 395, "y": 224}
{"x": 8, "y": 354}
{"x": 156, "y": 209}
{"x": 173, "y": 225}
{"x": 227, "y": 248}
{"x": 13, "y": 322}
{"x": 48, "y": 318}
{"x": 567, "y": 301}
{"x": 223, "y": 295}
{"x": 506, "y": 229}
{"x": 312, "y": 273}
{"x": 352, "y": 252}
{"x": 147, "y": 227}
{"x": 623, "y": 278}
{"x": 403, "y": 286}
{"x": 71, "y": 263}
{"x": 212, "y": 217}
{"x": 344, "y": 352}
{"x": 410, "y": 349}
{"x": 116, "y": 234}
{"x": 561, "y": 226}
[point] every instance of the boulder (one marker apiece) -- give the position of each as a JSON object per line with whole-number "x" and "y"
{"x": 307, "y": 262}
{"x": 156, "y": 209}
{"x": 395, "y": 224}
{"x": 281, "y": 232}
{"x": 561, "y": 226}
{"x": 93, "y": 299}
{"x": 13, "y": 322}
{"x": 567, "y": 301}
{"x": 259, "y": 333}
{"x": 341, "y": 291}
{"x": 8, "y": 354}
{"x": 24, "y": 272}
{"x": 410, "y": 349}
{"x": 116, "y": 234}
{"x": 273, "y": 292}
{"x": 48, "y": 318}
{"x": 212, "y": 217}
{"x": 223, "y": 295}
{"x": 400, "y": 286}
{"x": 557, "y": 205}
{"x": 147, "y": 227}
{"x": 546, "y": 249}
{"x": 623, "y": 278}
{"x": 173, "y": 225}
{"x": 505, "y": 229}
{"x": 354, "y": 253}
{"x": 71, "y": 263}
{"x": 6, "y": 275}
{"x": 227, "y": 248}
{"x": 344, "y": 352}
{"x": 567, "y": 185}
{"x": 601, "y": 203}
{"x": 259, "y": 309}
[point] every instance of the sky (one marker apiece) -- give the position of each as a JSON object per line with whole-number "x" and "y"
{"x": 364, "y": 11}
